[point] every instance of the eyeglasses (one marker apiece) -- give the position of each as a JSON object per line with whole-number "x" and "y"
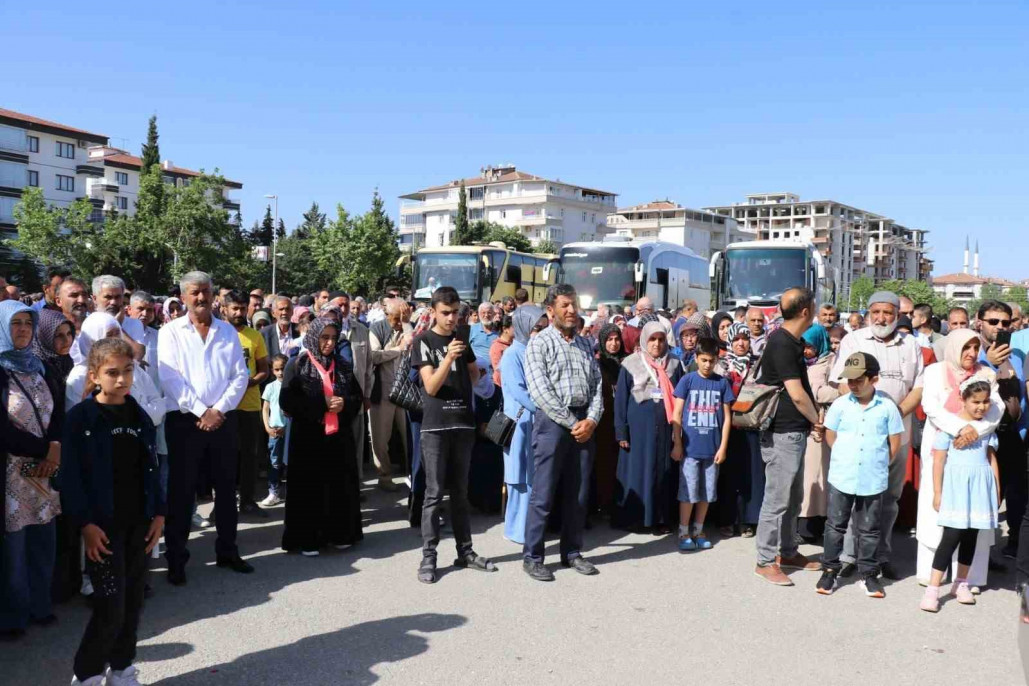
{"x": 1001, "y": 322}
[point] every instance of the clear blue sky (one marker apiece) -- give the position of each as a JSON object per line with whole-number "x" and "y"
{"x": 916, "y": 110}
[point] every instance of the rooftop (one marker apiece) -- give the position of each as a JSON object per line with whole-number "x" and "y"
{"x": 962, "y": 279}
{"x": 27, "y": 121}
{"x": 122, "y": 158}
{"x": 496, "y": 175}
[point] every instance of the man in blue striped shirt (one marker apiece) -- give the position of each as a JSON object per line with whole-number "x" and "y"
{"x": 564, "y": 379}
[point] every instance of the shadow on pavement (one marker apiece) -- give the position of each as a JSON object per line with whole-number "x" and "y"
{"x": 346, "y": 656}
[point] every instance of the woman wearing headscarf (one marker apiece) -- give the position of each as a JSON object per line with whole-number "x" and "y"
{"x": 320, "y": 394}
{"x": 97, "y": 326}
{"x": 53, "y": 341}
{"x": 486, "y": 469}
{"x": 31, "y": 420}
{"x": 631, "y": 339}
{"x": 610, "y": 353}
{"x": 720, "y": 324}
{"x": 819, "y": 357}
{"x": 422, "y": 323}
{"x": 941, "y": 400}
{"x": 171, "y": 310}
{"x": 528, "y": 320}
{"x": 647, "y": 477}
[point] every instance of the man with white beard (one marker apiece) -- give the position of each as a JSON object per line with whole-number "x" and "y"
{"x": 900, "y": 377}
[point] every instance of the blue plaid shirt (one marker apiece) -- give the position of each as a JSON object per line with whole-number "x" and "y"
{"x": 561, "y": 374}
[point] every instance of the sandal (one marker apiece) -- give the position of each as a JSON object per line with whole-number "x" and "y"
{"x": 427, "y": 571}
{"x": 748, "y": 532}
{"x": 473, "y": 561}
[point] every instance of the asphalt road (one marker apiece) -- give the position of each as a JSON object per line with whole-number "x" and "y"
{"x": 652, "y": 615}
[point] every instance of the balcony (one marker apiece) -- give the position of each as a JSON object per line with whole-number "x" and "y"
{"x": 232, "y": 205}
{"x": 97, "y": 188}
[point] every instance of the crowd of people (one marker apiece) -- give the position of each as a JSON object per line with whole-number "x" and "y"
{"x": 121, "y": 411}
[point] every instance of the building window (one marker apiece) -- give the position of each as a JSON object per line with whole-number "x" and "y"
{"x": 66, "y": 183}
{"x": 121, "y": 178}
{"x": 593, "y": 218}
{"x": 477, "y": 193}
{"x": 503, "y": 214}
{"x": 96, "y": 216}
{"x": 33, "y": 143}
{"x": 123, "y": 202}
{"x": 33, "y": 178}
{"x": 66, "y": 150}
{"x": 475, "y": 213}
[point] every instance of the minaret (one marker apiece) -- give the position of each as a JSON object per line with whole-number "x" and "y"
{"x": 965, "y": 269}
{"x": 975, "y": 267}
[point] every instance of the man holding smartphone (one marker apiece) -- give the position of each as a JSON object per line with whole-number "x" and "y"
{"x": 996, "y": 352}
{"x": 447, "y": 368}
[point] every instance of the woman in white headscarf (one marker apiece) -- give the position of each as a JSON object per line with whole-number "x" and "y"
{"x": 941, "y": 400}
{"x": 97, "y": 326}
{"x": 645, "y": 495}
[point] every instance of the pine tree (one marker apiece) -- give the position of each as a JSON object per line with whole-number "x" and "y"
{"x": 280, "y": 230}
{"x": 151, "y": 154}
{"x": 314, "y": 222}
{"x": 261, "y": 234}
{"x": 461, "y": 229}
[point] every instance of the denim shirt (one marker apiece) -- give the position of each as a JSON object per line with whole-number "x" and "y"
{"x": 860, "y": 459}
{"x": 86, "y": 479}
{"x": 1017, "y": 364}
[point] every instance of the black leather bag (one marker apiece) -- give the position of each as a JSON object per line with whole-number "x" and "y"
{"x": 501, "y": 427}
{"x": 405, "y": 392}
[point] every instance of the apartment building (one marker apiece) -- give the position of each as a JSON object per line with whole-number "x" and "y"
{"x": 542, "y": 209}
{"x": 702, "y": 231}
{"x": 67, "y": 163}
{"x": 116, "y": 180}
{"x": 855, "y": 242}
{"x": 44, "y": 154}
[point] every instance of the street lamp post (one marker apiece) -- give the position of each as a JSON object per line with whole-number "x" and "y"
{"x": 275, "y": 240}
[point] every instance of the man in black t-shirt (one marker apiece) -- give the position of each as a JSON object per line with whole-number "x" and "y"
{"x": 784, "y": 443}
{"x": 446, "y": 365}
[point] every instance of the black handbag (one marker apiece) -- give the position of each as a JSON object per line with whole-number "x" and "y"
{"x": 501, "y": 427}
{"x": 405, "y": 392}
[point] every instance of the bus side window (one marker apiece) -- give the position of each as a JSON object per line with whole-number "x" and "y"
{"x": 514, "y": 270}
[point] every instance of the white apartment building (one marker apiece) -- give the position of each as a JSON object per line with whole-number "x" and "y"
{"x": 854, "y": 242}
{"x": 37, "y": 152}
{"x": 116, "y": 181}
{"x": 540, "y": 208}
{"x": 703, "y": 232}
{"x": 68, "y": 163}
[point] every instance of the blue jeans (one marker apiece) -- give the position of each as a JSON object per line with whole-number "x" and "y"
{"x": 277, "y": 453}
{"x": 28, "y": 569}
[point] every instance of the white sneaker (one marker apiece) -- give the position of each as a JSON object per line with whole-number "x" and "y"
{"x": 199, "y": 521}
{"x": 125, "y": 677}
{"x": 87, "y": 586}
{"x": 97, "y": 680}
{"x": 271, "y": 501}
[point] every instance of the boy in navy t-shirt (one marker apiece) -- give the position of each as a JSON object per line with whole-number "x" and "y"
{"x": 700, "y": 433}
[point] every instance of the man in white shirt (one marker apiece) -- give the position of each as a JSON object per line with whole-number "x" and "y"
{"x": 203, "y": 376}
{"x": 900, "y": 377}
{"x": 141, "y": 308}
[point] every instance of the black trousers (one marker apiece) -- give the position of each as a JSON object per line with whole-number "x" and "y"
{"x": 253, "y": 445}
{"x": 962, "y": 540}
{"x": 118, "y": 581}
{"x": 446, "y": 456}
{"x": 188, "y": 447}
{"x": 866, "y": 510}
{"x": 558, "y": 458}
{"x": 1011, "y": 460}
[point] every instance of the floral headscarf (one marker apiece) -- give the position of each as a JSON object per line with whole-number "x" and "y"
{"x": 43, "y": 344}
{"x": 21, "y": 360}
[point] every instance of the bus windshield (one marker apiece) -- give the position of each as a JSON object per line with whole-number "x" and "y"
{"x": 763, "y": 274}
{"x": 600, "y": 274}
{"x": 459, "y": 270}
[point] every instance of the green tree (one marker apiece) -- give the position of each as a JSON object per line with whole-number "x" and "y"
{"x": 262, "y": 234}
{"x": 151, "y": 154}
{"x": 370, "y": 255}
{"x": 1018, "y": 295}
{"x": 861, "y": 289}
{"x": 461, "y": 235}
{"x": 546, "y": 248}
{"x": 512, "y": 238}
{"x": 314, "y": 221}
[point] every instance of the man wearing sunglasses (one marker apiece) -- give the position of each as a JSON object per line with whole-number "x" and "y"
{"x": 900, "y": 377}
{"x": 995, "y": 320}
